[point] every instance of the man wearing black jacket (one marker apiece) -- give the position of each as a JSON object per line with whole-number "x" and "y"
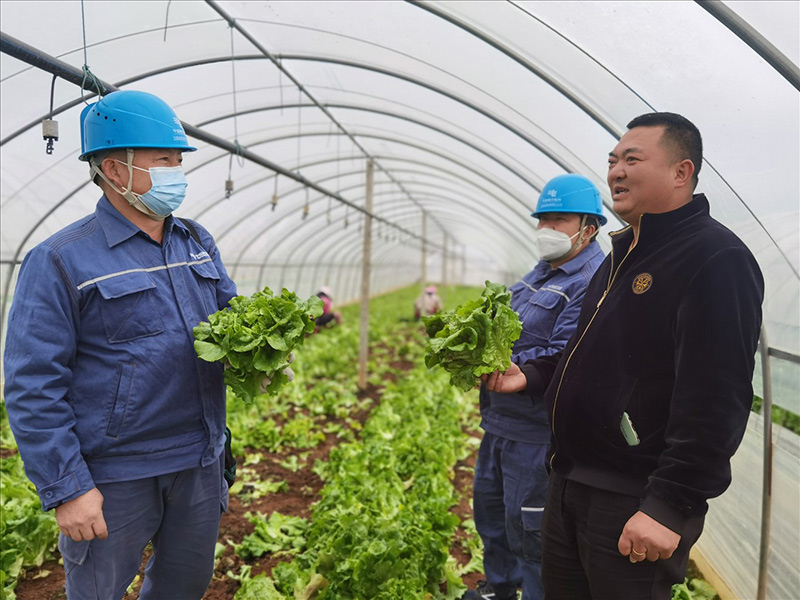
{"x": 650, "y": 398}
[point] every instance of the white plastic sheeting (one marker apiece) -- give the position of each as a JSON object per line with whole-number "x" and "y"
{"x": 467, "y": 108}
{"x": 465, "y": 122}
{"x": 730, "y": 540}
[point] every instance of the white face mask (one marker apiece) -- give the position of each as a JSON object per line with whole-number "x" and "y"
{"x": 552, "y": 244}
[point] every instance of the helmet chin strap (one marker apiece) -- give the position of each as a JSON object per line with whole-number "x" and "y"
{"x": 129, "y": 195}
{"x": 582, "y": 239}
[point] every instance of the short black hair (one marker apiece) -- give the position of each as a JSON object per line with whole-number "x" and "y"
{"x": 681, "y": 136}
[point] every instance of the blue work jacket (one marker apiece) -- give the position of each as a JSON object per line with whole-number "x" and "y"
{"x": 102, "y": 380}
{"x": 548, "y": 302}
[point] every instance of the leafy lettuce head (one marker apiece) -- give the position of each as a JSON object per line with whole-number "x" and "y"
{"x": 254, "y": 337}
{"x": 475, "y": 338}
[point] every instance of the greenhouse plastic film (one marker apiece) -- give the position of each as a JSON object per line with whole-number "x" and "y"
{"x": 730, "y": 540}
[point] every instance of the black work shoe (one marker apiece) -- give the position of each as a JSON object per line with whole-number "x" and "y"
{"x": 484, "y": 591}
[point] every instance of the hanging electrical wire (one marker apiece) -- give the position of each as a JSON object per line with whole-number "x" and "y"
{"x": 166, "y": 20}
{"x": 229, "y": 180}
{"x": 280, "y": 95}
{"x": 339, "y": 175}
{"x": 87, "y": 72}
{"x": 275, "y": 194}
{"x": 299, "y": 125}
{"x": 239, "y": 159}
{"x": 49, "y": 126}
{"x": 280, "y": 83}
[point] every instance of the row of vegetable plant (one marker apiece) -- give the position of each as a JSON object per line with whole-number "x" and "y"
{"x": 329, "y": 360}
{"x": 383, "y": 527}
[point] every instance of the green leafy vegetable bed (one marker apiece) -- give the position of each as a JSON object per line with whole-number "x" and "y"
{"x": 383, "y": 527}
{"x": 28, "y": 534}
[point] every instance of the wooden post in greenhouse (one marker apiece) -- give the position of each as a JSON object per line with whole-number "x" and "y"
{"x": 363, "y": 348}
{"x": 463, "y": 263}
{"x": 424, "y": 250}
{"x": 444, "y": 262}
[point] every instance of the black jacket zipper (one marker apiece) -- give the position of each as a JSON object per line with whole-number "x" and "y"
{"x": 612, "y": 275}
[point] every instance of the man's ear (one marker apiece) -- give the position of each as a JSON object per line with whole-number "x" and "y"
{"x": 684, "y": 171}
{"x": 115, "y": 172}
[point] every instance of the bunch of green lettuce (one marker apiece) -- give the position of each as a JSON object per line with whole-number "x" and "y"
{"x": 255, "y": 337}
{"x": 475, "y": 338}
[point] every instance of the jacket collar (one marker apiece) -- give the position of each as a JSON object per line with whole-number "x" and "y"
{"x": 575, "y": 264}
{"x": 172, "y": 223}
{"x": 655, "y": 226}
{"x": 118, "y": 229}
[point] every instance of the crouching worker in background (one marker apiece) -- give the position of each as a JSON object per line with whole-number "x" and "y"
{"x": 510, "y": 475}
{"x": 329, "y": 317}
{"x": 119, "y": 424}
{"x": 427, "y": 303}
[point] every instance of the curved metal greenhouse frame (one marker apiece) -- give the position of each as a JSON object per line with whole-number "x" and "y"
{"x": 464, "y": 110}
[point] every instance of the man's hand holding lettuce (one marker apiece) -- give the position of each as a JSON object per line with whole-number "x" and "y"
{"x": 255, "y": 337}
{"x": 474, "y": 339}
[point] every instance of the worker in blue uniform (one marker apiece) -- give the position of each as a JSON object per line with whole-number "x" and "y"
{"x": 510, "y": 476}
{"x": 119, "y": 424}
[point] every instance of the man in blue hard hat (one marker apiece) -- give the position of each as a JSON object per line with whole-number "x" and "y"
{"x": 119, "y": 424}
{"x": 651, "y": 396}
{"x": 510, "y": 476}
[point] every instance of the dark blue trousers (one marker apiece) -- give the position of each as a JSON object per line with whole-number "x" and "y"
{"x": 509, "y": 495}
{"x": 178, "y": 512}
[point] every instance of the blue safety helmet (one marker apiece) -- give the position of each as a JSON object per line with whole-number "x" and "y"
{"x": 570, "y": 193}
{"x": 130, "y": 119}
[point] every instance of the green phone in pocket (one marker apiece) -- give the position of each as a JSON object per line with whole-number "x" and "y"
{"x": 628, "y": 432}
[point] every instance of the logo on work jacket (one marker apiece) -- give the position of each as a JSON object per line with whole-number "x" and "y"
{"x": 642, "y": 282}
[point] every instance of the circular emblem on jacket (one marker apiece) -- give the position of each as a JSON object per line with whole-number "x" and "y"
{"x": 642, "y": 282}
